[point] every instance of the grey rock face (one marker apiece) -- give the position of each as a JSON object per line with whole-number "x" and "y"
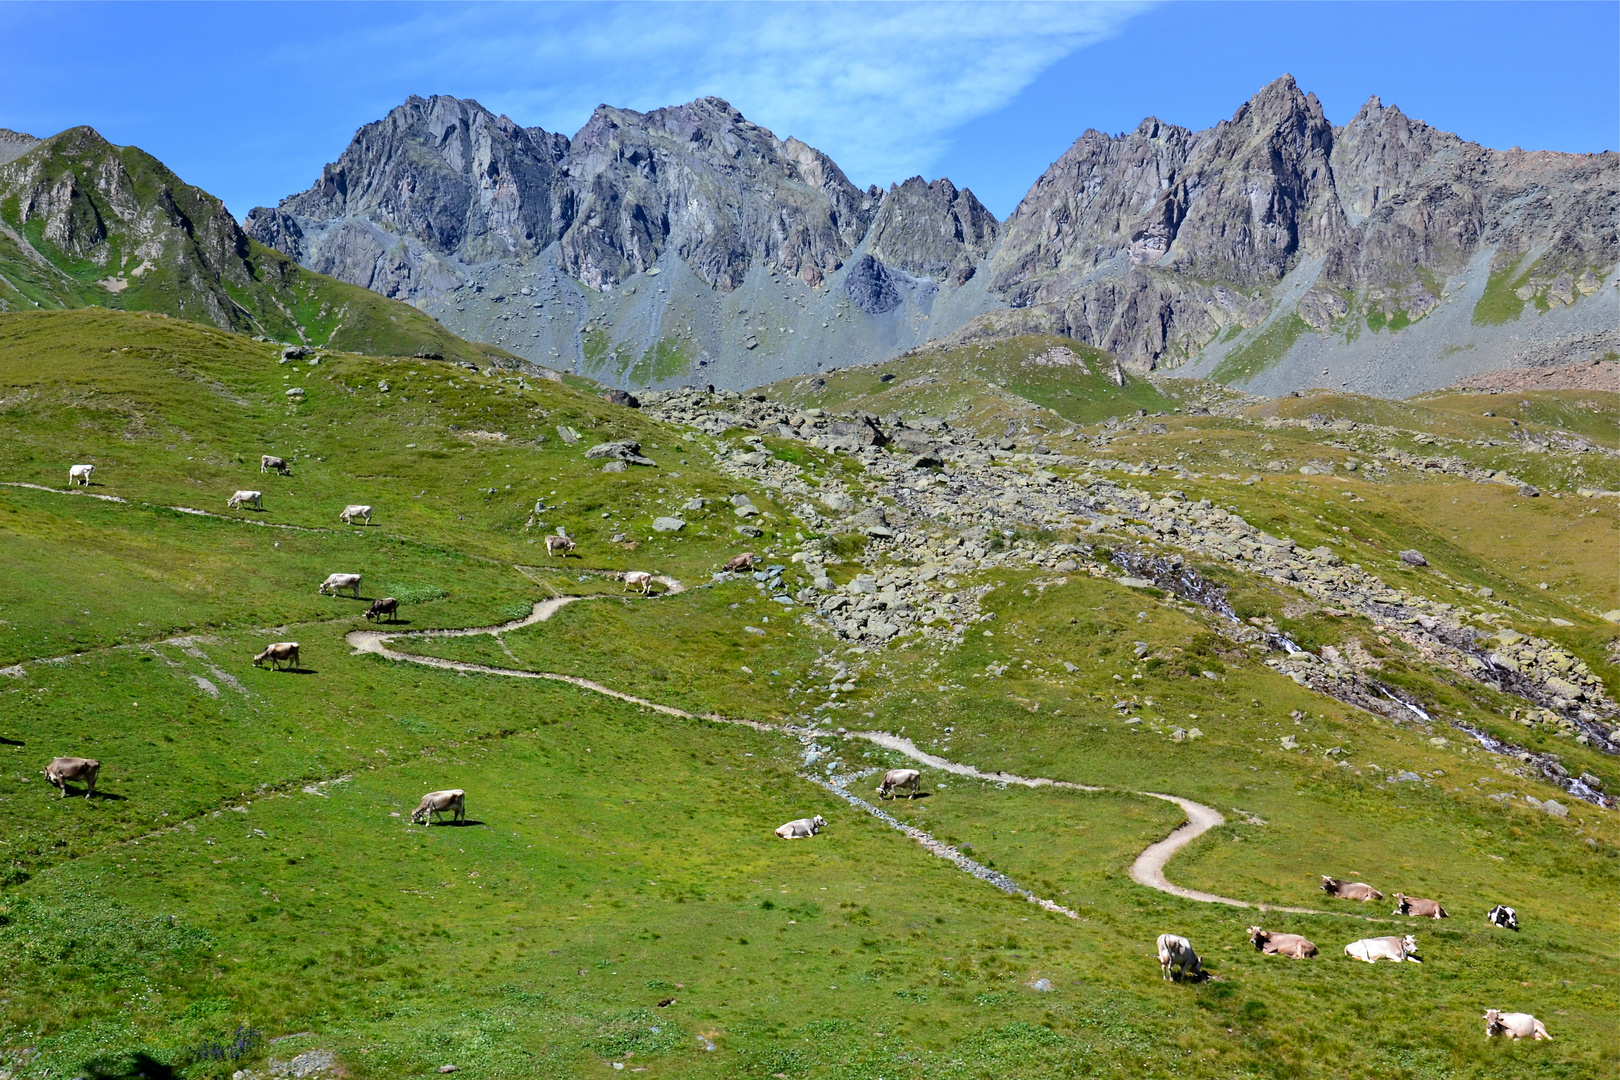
{"x": 1159, "y": 242}
{"x": 872, "y": 287}
{"x": 933, "y": 230}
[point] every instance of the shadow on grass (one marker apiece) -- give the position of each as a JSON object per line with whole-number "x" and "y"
{"x": 141, "y": 1065}
{"x": 11, "y": 742}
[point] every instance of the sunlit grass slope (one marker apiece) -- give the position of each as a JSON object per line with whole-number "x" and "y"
{"x": 618, "y": 895}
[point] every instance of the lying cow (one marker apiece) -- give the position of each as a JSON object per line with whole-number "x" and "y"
{"x": 1374, "y": 949}
{"x": 335, "y": 583}
{"x": 282, "y": 652}
{"x": 80, "y": 474}
{"x": 438, "y": 802}
{"x": 803, "y": 828}
{"x": 1177, "y": 959}
{"x": 638, "y": 579}
{"x": 63, "y": 769}
{"x": 251, "y": 498}
{"x": 1418, "y": 907}
{"x": 387, "y": 606}
{"x": 1274, "y": 944}
{"x": 556, "y": 545}
{"x": 355, "y": 510}
{"x": 745, "y": 561}
{"x": 1350, "y": 890}
{"x": 1514, "y": 1025}
{"x": 271, "y": 463}
{"x": 895, "y": 779}
{"x": 1503, "y": 916}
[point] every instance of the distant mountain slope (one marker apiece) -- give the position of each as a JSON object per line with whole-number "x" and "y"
{"x": 85, "y": 223}
{"x": 1272, "y": 250}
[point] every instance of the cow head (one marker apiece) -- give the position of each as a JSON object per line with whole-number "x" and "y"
{"x": 1403, "y": 905}
{"x": 818, "y": 823}
{"x": 1258, "y": 936}
{"x": 1330, "y": 885}
{"x": 1409, "y": 942}
{"x": 1493, "y": 1020}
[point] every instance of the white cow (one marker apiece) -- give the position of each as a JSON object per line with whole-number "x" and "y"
{"x": 337, "y": 582}
{"x": 63, "y": 769}
{"x": 559, "y": 545}
{"x": 803, "y": 828}
{"x": 251, "y": 498}
{"x": 80, "y": 474}
{"x": 269, "y": 462}
{"x": 1515, "y": 1026}
{"x": 1374, "y": 949}
{"x": 639, "y": 579}
{"x": 895, "y": 779}
{"x": 355, "y": 510}
{"x": 437, "y": 802}
{"x": 1176, "y": 958}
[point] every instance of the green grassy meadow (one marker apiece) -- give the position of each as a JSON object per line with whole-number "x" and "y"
{"x": 247, "y": 871}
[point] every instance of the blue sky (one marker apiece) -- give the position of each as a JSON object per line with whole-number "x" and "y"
{"x": 249, "y": 100}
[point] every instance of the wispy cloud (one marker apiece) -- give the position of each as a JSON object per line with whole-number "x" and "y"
{"x": 879, "y": 86}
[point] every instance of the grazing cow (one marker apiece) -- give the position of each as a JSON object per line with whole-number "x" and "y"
{"x": 559, "y": 544}
{"x": 1274, "y": 944}
{"x": 437, "y": 802}
{"x": 1503, "y": 916}
{"x": 1418, "y": 907}
{"x": 338, "y": 582}
{"x": 1374, "y": 949}
{"x": 80, "y": 474}
{"x": 282, "y": 652}
{"x": 63, "y": 769}
{"x": 1349, "y": 890}
{"x": 639, "y": 579}
{"x": 1177, "y": 959}
{"x": 745, "y": 561}
{"x": 387, "y": 606}
{"x": 895, "y": 779}
{"x": 269, "y": 462}
{"x": 1515, "y": 1026}
{"x": 802, "y": 828}
{"x": 250, "y": 497}
{"x": 355, "y": 510}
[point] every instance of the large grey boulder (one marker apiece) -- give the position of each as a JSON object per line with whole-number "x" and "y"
{"x": 627, "y": 450}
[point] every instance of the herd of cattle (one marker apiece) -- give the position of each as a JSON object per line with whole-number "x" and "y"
{"x": 1177, "y": 958}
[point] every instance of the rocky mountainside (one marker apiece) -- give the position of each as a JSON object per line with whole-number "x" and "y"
{"x": 687, "y": 244}
{"x": 84, "y": 223}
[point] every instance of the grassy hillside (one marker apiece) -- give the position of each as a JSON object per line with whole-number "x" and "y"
{"x": 247, "y": 871}
{"x": 984, "y": 386}
{"x": 84, "y": 223}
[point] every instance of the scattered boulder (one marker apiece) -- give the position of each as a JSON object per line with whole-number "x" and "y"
{"x": 668, "y": 524}
{"x": 627, "y": 450}
{"x": 567, "y": 434}
{"x": 1413, "y": 558}
{"x": 620, "y": 397}
{"x": 843, "y": 504}
{"x": 296, "y": 352}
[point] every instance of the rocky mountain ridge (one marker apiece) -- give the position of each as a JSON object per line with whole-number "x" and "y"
{"x": 1399, "y": 256}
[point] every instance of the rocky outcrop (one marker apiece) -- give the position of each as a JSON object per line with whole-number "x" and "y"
{"x": 933, "y": 230}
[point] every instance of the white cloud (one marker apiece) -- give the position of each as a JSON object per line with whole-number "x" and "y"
{"x": 878, "y": 86}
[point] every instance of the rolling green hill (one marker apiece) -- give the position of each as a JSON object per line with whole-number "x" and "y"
{"x": 617, "y": 900}
{"x": 84, "y": 223}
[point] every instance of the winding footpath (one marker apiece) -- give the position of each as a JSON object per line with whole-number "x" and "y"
{"x": 1148, "y": 869}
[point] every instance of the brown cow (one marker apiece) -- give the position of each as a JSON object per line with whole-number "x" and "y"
{"x": 438, "y": 802}
{"x": 281, "y": 652}
{"x": 63, "y": 769}
{"x": 559, "y": 544}
{"x": 1275, "y": 944}
{"x": 387, "y": 606}
{"x": 1418, "y": 907}
{"x": 1515, "y": 1026}
{"x": 1350, "y": 890}
{"x": 745, "y": 561}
